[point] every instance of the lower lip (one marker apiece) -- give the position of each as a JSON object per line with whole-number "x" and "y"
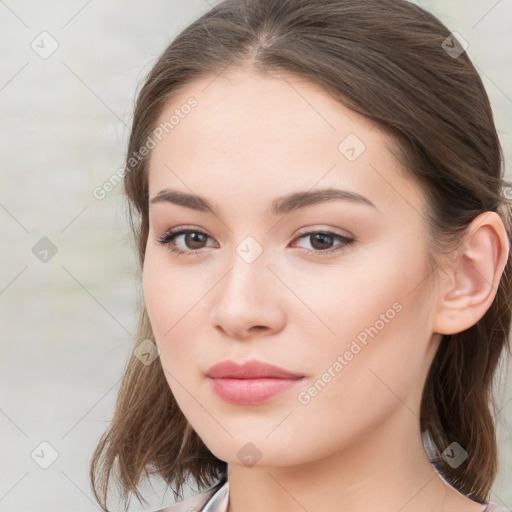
{"x": 250, "y": 391}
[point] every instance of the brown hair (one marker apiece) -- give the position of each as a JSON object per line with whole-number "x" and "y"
{"x": 388, "y": 60}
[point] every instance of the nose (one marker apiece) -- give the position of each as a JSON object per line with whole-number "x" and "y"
{"x": 250, "y": 301}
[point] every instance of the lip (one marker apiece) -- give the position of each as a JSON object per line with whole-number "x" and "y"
{"x": 252, "y": 369}
{"x": 250, "y": 391}
{"x": 251, "y": 382}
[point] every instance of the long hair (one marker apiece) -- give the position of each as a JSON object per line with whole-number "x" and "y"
{"x": 398, "y": 65}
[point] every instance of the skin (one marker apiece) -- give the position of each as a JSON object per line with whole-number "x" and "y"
{"x": 357, "y": 443}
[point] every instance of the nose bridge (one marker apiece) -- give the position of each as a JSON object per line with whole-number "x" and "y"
{"x": 249, "y": 294}
{"x": 246, "y": 285}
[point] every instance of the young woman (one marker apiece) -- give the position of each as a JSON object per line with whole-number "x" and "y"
{"x": 317, "y": 195}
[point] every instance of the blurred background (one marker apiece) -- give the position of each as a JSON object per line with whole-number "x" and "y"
{"x": 69, "y": 73}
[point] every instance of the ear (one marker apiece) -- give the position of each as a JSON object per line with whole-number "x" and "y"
{"x": 471, "y": 279}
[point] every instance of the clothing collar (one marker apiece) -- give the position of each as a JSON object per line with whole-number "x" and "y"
{"x": 219, "y": 500}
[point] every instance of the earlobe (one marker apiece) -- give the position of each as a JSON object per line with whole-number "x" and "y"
{"x": 471, "y": 280}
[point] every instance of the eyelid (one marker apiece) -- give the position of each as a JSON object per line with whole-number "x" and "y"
{"x": 345, "y": 241}
{"x": 170, "y": 235}
{"x": 322, "y": 229}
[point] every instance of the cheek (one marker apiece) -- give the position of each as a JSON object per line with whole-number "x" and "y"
{"x": 165, "y": 297}
{"x": 363, "y": 378}
{"x": 169, "y": 292}
{"x": 381, "y": 318}
{"x": 177, "y": 306}
{"x": 345, "y": 302}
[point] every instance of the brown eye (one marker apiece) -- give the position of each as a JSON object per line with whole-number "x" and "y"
{"x": 322, "y": 241}
{"x": 192, "y": 241}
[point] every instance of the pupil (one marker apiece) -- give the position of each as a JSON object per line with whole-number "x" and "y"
{"x": 194, "y": 237}
{"x": 323, "y": 238}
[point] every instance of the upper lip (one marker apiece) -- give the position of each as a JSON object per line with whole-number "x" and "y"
{"x": 249, "y": 370}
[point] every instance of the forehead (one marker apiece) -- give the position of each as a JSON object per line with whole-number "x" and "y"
{"x": 262, "y": 134}
{"x": 261, "y": 108}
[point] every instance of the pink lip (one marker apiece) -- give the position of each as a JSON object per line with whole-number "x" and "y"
{"x": 252, "y": 369}
{"x": 251, "y": 382}
{"x": 250, "y": 391}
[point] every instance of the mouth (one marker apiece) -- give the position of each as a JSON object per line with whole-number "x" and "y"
{"x": 251, "y": 382}
{"x": 251, "y": 391}
{"x": 252, "y": 369}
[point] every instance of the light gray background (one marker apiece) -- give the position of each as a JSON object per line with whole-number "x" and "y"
{"x": 67, "y": 324}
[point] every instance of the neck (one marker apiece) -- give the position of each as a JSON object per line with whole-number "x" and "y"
{"x": 385, "y": 469}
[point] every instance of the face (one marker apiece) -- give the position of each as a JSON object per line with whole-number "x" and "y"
{"x": 335, "y": 290}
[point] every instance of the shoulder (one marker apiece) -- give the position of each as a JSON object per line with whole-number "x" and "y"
{"x": 197, "y": 503}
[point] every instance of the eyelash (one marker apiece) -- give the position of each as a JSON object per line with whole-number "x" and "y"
{"x": 169, "y": 237}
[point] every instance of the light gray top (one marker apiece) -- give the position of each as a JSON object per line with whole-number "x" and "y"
{"x": 216, "y": 499}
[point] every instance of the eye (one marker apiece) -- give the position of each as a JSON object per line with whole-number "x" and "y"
{"x": 193, "y": 239}
{"x": 321, "y": 241}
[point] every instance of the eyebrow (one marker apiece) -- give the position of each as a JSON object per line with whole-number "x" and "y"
{"x": 280, "y": 206}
